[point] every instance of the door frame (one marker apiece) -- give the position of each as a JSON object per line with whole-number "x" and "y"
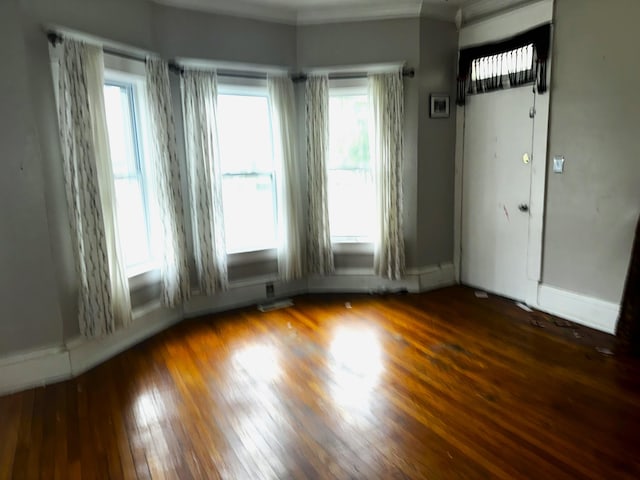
{"x": 495, "y": 28}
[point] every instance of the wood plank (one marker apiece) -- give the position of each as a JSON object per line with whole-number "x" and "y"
{"x": 436, "y": 385}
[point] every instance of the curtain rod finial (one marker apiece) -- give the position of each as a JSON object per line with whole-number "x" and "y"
{"x": 54, "y": 38}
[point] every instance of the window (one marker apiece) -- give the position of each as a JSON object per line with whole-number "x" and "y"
{"x": 513, "y": 62}
{"x": 248, "y": 174}
{"x": 122, "y": 99}
{"x": 349, "y": 170}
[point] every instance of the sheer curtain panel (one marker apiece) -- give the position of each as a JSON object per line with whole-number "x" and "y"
{"x": 168, "y": 184}
{"x": 103, "y": 300}
{"x": 199, "y": 100}
{"x": 387, "y": 109}
{"x": 283, "y": 119}
{"x": 319, "y": 250}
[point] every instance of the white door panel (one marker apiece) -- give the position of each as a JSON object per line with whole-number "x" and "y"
{"x": 496, "y": 181}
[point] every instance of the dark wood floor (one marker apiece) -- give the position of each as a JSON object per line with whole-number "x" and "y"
{"x": 438, "y": 385}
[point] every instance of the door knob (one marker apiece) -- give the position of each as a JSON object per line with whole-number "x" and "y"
{"x": 523, "y": 207}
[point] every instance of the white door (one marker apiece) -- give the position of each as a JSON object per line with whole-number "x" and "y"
{"x": 498, "y": 141}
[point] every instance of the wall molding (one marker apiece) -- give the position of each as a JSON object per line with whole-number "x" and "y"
{"x": 313, "y": 15}
{"x": 588, "y": 311}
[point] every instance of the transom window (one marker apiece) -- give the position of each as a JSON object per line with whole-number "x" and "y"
{"x": 351, "y": 189}
{"x": 132, "y": 200}
{"x": 505, "y": 64}
{"x": 248, "y": 173}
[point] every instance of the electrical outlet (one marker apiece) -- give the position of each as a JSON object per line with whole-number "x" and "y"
{"x": 270, "y": 290}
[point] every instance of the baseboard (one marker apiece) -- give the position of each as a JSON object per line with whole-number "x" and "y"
{"x": 50, "y": 365}
{"x": 33, "y": 369}
{"x": 364, "y": 281}
{"x": 85, "y": 354}
{"x": 439, "y": 276}
{"x": 243, "y": 294}
{"x": 588, "y": 311}
{"x": 44, "y": 366}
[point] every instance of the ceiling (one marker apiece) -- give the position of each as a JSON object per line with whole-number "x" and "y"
{"x": 320, "y": 11}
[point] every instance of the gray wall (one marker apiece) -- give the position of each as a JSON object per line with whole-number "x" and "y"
{"x": 436, "y": 143}
{"x": 186, "y": 33}
{"x": 30, "y": 314}
{"x": 374, "y": 42}
{"x": 595, "y": 118}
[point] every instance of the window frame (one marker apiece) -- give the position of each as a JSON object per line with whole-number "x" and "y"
{"x": 251, "y": 87}
{"x": 346, "y": 87}
{"x": 122, "y": 72}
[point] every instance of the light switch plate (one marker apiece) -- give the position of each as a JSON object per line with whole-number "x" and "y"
{"x": 558, "y": 164}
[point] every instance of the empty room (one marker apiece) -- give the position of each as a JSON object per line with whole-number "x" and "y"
{"x": 319, "y": 239}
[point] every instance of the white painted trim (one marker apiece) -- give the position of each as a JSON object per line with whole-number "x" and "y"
{"x": 86, "y": 354}
{"x": 365, "y": 281}
{"x": 33, "y": 369}
{"x": 311, "y": 15}
{"x": 355, "y": 13}
{"x": 43, "y": 366}
{"x": 582, "y": 309}
{"x": 500, "y": 26}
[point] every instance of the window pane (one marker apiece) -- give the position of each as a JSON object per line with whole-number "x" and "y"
{"x": 132, "y": 223}
{"x": 348, "y": 132}
{"x": 117, "y": 101}
{"x": 249, "y": 212}
{"x": 245, "y": 134}
{"x": 350, "y": 180}
{"x": 246, "y": 151}
{"x": 351, "y": 205}
{"x": 131, "y": 204}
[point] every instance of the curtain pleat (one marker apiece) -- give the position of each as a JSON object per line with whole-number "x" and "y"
{"x": 319, "y": 250}
{"x": 103, "y": 298}
{"x": 283, "y": 119}
{"x": 168, "y": 186}
{"x": 387, "y": 108}
{"x": 199, "y": 100}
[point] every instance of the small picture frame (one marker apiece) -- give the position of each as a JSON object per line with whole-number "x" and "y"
{"x": 439, "y": 105}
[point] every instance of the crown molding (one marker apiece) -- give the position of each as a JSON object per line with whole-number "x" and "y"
{"x": 356, "y": 13}
{"x": 483, "y": 8}
{"x": 319, "y": 15}
{"x": 237, "y": 9}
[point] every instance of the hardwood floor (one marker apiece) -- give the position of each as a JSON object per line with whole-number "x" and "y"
{"x": 437, "y": 385}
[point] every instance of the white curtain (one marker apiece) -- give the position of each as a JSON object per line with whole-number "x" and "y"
{"x": 199, "y": 103}
{"x": 319, "y": 251}
{"x": 283, "y": 119}
{"x": 175, "y": 267}
{"x": 104, "y": 301}
{"x": 387, "y": 108}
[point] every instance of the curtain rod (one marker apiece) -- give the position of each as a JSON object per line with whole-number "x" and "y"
{"x": 302, "y": 77}
{"x": 55, "y": 38}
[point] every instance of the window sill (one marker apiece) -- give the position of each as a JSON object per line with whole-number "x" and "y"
{"x": 143, "y": 275}
{"x": 257, "y": 256}
{"x": 352, "y": 248}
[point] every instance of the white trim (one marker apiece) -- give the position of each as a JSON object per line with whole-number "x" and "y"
{"x": 49, "y": 365}
{"x": 339, "y": 12}
{"x": 86, "y": 354}
{"x": 236, "y": 8}
{"x": 500, "y": 26}
{"x": 39, "y": 367}
{"x": 230, "y": 66}
{"x": 582, "y": 309}
{"x": 364, "y": 281}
